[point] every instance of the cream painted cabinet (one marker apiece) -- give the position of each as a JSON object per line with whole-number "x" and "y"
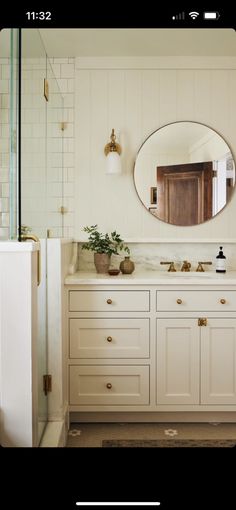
{"x": 109, "y": 385}
{"x": 109, "y": 349}
{"x": 218, "y": 361}
{"x": 196, "y": 356}
{"x": 196, "y": 364}
{"x": 178, "y": 355}
{"x": 152, "y": 348}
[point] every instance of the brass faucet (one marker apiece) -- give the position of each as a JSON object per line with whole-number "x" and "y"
{"x": 200, "y": 268}
{"x": 25, "y": 236}
{"x": 172, "y": 266}
{"x": 186, "y": 266}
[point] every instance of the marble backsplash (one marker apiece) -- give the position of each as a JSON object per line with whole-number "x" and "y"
{"x": 147, "y": 256}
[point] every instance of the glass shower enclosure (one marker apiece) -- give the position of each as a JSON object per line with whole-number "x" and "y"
{"x": 9, "y": 111}
{"x": 31, "y": 163}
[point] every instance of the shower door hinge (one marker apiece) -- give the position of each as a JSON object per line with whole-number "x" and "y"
{"x": 46, "y": 89}
{"x": 47, "y": 383}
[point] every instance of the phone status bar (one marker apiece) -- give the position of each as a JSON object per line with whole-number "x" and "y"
{"x": 128, "y": 18}
{"x": 194, "y": 15}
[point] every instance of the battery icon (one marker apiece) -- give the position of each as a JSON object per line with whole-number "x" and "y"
{"x": 211, "y": 15}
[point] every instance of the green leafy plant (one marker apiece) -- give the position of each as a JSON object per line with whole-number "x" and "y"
{"x": 104, "y": 243}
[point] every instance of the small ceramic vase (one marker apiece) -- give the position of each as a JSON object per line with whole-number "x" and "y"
{"x": 127, "y": 266}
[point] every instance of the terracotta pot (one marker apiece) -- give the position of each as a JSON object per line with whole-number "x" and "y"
{"x": 127, "y": 266}
{"x": 102, "y": 262}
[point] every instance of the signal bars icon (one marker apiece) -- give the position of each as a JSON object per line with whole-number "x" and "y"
{"x": 179, "y": 16}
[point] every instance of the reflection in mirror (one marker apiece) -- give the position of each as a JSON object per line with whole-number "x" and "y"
{"x": 184, "y": 173}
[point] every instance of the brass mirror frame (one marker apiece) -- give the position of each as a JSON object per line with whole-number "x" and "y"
{"x": 151, "y": 209}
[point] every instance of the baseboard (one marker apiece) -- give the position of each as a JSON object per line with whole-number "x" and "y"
{"x": 55, "y": 434}
{"x": 188, "y": 417}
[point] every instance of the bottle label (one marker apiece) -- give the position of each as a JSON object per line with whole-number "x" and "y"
{"x": 220, "y": 264}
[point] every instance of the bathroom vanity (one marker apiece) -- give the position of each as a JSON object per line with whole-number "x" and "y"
{"x": 149, "y": 345}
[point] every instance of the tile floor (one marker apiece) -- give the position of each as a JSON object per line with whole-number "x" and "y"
{"x": 92, "y": 434}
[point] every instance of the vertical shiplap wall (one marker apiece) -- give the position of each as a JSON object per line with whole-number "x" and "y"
{"x": 136, "y": 97}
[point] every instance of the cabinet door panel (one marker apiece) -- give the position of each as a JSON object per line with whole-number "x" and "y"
{"x": 178, "y": 361}
{"x": 218, "y": 365}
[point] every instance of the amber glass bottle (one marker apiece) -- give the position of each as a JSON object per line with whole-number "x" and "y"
{"x": 221, "y": 262}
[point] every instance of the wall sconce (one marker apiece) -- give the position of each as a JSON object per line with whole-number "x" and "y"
{"x": 113, "y": 151}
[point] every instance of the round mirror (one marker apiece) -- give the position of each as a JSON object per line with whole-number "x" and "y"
{"x": 184, "y": 173}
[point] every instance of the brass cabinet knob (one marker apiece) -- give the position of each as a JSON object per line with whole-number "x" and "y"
{"x": 109, "y": 301}
{"x": 179, "y": 301}
{"x": 223, "y": 301}
{"x": 202, "y": 321}
{"x": 109, "y": 386}
{"x": 109, "y": 338}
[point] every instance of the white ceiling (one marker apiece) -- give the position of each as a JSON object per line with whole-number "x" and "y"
{"x": 179, "y": 137}
{"x": 139, "y": 42}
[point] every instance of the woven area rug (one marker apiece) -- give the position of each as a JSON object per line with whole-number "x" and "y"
{"x": 169, "y": 443}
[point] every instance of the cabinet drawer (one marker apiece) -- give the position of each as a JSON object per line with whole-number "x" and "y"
{"x": 103, "y": 385}
{"x": 109, "y": 338}
{"x": 182, "y": 300}
{"x": 109, "y": 301}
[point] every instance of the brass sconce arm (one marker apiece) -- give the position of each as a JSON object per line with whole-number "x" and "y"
{"x": 112, "y": 146}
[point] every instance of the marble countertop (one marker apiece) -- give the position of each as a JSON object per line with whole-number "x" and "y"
{"x": 153, "y": 278}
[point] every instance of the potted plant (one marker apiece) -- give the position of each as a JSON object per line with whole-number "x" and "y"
{"x": 103, "y": 246}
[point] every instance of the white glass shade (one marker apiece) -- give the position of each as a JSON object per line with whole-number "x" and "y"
{"x": 113, "y": 163}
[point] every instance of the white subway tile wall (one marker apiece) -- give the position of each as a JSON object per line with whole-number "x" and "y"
{"x": 4, "y": 148}
{"x": 64, "y": 70}
{"x": 44, "y": 188}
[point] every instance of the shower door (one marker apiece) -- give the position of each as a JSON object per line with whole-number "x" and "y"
{"x": 41, "y": 179}
{"x": 9, "y": 72}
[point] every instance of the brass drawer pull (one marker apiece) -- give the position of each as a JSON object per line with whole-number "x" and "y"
{"x": 223, "y": 301}
{"x": 179, "y": 301}
{"x": 109, "y": 386}
{"x": 109, "y": 338}
{"x": 202, "y": 322}
{"x": 109, "y": 301}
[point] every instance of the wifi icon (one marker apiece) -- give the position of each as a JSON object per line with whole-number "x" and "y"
{"x": 194, "y": 14}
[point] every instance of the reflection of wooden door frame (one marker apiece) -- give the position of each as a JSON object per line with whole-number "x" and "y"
{"x": 200, "y": 182}
{"x": 200, "y": 172}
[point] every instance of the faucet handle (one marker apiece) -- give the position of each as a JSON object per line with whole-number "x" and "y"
{"x": 25, "y": 229}
{"x": 172, "y": 266}
{"x": 186, "y": 266}
{"x": 200, "y": 268}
